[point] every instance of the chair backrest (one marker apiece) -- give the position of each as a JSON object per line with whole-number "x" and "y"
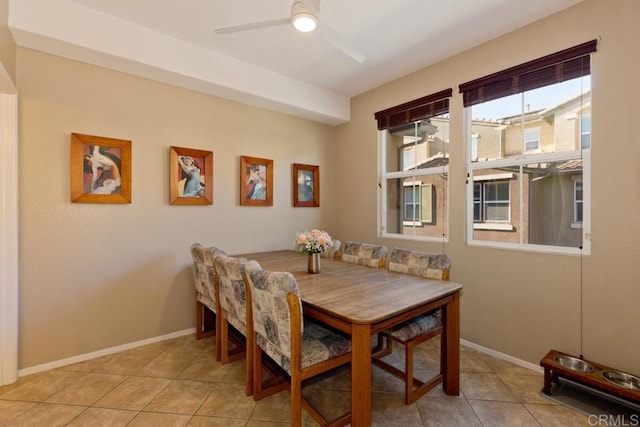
{"x": 430, "y": 265}
{"x": 231, "y": 290}
{"x": 270, "y": 309}
{"x": 333, "y": 250}
{"x": 364, "y": 254}
{"x": 204, "y": 273}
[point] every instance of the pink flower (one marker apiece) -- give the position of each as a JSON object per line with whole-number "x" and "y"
{"x": 313, "y": 241}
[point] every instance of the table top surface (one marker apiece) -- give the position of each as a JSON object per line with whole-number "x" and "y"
{"x": 356, "y": 293}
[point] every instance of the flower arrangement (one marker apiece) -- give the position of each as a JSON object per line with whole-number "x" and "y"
{"x": 313, "y": 241}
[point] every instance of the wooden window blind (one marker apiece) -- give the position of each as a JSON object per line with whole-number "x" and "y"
{"x": 554, "y": 68}
{"x": 418, "y": 109}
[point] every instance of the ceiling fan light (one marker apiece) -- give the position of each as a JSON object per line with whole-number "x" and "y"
{"x": 304, "y": 22}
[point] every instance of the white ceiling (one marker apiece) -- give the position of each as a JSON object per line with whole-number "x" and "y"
{"x": 278, "y": 68}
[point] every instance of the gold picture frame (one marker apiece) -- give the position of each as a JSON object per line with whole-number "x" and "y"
{"x": 306, "y": 186}
{"x": 256, "y": 181}
{"x": 100, "y": 169}
{"x": 190, "y": 176}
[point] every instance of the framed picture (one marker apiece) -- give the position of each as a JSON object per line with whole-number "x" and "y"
{"x": 256, "y": 181}
{"x": 100, "y": 169}
{"x": 191, "y": 176}
{"x": 306, "y": 186}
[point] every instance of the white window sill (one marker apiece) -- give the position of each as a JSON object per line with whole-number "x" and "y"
{"x": 412, "y": 223}
{"x": 576, "y": 225}
{"x": 493, "y": 226}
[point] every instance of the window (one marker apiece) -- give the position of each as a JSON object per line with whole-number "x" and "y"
{"x": 527, "y": 184}
{"x": 473, "y": 151}
{"x": 531, "y": 139}
{"x": 492, "y": 200}
{"x": 413, "y": 166}
{"x": 418, "y": 203}
{"x": 585, "y": 131}
{"x": 412, "y": 203}
{"x": 577, "y": 203}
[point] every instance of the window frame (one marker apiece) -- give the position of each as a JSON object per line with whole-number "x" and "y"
{"x": 565, "y": 65}
{"x": 525, "y": 142}
{"x": 415, "y": 187}
{"x": 433, "y": 106}
{"x": 483, "y": 202}
{"x": 577, "y": 222}
{"x": 413, "y": 174}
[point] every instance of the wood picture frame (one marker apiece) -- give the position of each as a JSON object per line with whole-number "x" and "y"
{"x": 306, "y": 186}
{"x": 256, "y": 181}
{"x": 190, "y": 176}
{"x": 100, "y": 169}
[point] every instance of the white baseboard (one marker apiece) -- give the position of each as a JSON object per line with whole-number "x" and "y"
{"x": 129, "y": 346}
{"x": 503, "y": 356}
{"x": 100, "y": 353}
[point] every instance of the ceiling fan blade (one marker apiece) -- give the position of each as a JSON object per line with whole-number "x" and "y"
{"x": 341, "y": 44}
{"x": 253, "y": 26}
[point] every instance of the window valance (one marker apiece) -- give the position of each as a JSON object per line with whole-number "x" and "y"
{"x": 554, "y": 68}
{"x": 418, "y": 109}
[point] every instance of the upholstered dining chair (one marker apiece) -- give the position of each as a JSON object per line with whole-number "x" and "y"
{"x": 419, "y": 329}
{"x": 364, "y": 254}
{"x": 333, "y": 251}
{"x": 206, "y": 289}
{"x": 233, "y": 310}
{"x": 302, "y": 348}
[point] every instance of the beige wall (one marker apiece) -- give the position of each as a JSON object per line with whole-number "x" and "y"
{"x": 522, "y": 303}
{"x": 97, "y": 276}
{"x": 7, "y": 46}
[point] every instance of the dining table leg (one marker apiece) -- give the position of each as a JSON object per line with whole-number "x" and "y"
{"x": 361, "y": 375}
{"x": 450, "y": 358}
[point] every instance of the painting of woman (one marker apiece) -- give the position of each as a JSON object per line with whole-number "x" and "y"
{"x": 256, "y": 182}
{"x": 193, "y": 185}
{"x": 104, "y": 169}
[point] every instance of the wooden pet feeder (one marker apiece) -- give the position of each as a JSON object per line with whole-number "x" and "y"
{"x": 590, "y": 374}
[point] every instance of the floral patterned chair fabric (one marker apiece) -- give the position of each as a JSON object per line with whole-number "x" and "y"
{"x": 301, "y": 347}
{"x": 419, "y": 329}
{"x": 364, "y": 254}
{"x": 334, "y": 251}
{"x": 233, "y": 310}
{"x": 205, "y": 282}
{"x": 429, "y": 265}
{"x": 231, "y": 291}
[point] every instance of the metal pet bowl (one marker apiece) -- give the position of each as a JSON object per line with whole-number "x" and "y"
{"x": 622, "y": 379}
{"x": 573, "y": 363}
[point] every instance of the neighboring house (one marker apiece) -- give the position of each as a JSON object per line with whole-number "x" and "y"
{"x": 552, "y": 191}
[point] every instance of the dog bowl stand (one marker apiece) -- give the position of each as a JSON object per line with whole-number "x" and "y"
{"x": 553, "y": 370}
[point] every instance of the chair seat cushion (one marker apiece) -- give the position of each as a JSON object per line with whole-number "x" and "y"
{"x": 318, "y": 344}
{"x": 417, "y": 326}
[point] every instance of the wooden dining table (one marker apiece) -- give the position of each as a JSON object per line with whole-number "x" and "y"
{"x": 362, "y": 301}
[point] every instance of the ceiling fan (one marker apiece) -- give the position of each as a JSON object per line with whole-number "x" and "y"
{"x": 304, "y": 18}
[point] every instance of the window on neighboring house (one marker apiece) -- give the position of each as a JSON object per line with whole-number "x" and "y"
{"x": 418, "y": 203}
{"x": 492, "y": 200}
{"x": 414, "y": 166}
{"x": 585, "y": 130}
{"x": 473, "y": 151}
{"x": 531, "y": 139}
{"x": 577, "y": 203}
{"x": 527, "y": 117}
{"x": 412, "y": 203}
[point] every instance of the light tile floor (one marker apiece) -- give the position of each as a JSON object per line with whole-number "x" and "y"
{"x": 178, "y": 383}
